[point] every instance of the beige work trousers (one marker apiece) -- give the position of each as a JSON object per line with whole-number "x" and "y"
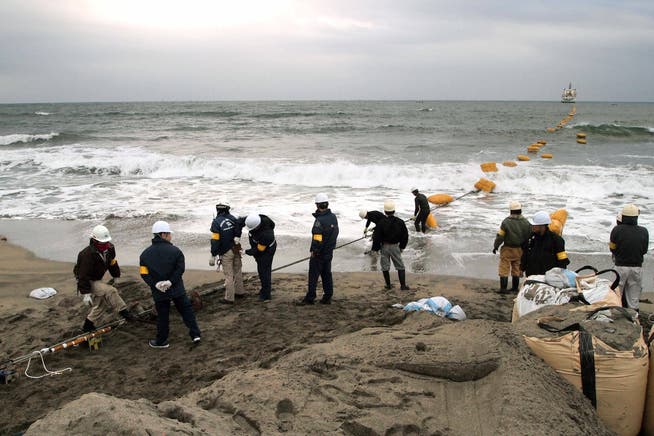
{"x": 232, "y": 267}
{"x": 105, "y": 301}
{"x": 510, "y": 261}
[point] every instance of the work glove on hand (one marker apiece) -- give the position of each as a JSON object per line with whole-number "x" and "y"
{"x": 413, "y": 218}
{"x": 163, "y": 286}
{"x": 212, "y": 260}
{"x": 494, "y": 250}
{"x": 365, "y": 232}
{"x": 87, "y": 300}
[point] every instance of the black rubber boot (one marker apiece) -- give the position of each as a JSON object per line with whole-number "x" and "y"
{"x": 504, "y": 283}
{"x": 402, "y": 276}
{"x": 515, "y": 282}
{"x": 88, "y": 326}
{"x": 387, "y": 279}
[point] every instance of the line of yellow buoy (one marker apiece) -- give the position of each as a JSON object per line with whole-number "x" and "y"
{"x": 558, "y": 217}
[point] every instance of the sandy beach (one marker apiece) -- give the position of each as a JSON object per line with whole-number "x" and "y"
{"x": 358, "y": 366}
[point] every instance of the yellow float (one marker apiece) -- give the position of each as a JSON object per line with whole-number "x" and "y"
{"x": 581, "y": 140}
{"x": 431, "y": 221}
{"x": 510, "y": 163}
{"x": 546, "y": 155}
{"x": 485, "y": 185}
{"x": 489, "y": 167}
{"x": 522, "y": 157}
{"x": 440, "y": 199}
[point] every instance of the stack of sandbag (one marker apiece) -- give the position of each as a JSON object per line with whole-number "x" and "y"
{"x": 560, "y": 286}
{"x": 600, "y": 351}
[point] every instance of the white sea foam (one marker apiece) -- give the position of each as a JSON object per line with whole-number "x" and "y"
{"x": 42, "y": 113}
{"x": 24, "y": 138}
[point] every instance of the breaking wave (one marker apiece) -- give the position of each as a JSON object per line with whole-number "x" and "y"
{"x": 25, "y": 138}
{"x": 615, "y": 130}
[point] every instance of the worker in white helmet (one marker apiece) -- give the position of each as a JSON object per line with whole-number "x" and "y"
{"x": 324, "y": 234}
{"x": 628, "y": 244}
{"x": 262, "y": 247}
{"x": 514, "y": 231}
{"x": 545, "y": 249}
{"x": 162, "y": 267}
{"x": 92, "y": 263}
{"x": 393, "y": 237}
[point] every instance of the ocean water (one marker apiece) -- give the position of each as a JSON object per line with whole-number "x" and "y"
{"x": 67, "y": 167}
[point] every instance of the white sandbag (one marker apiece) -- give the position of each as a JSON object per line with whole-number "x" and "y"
{"x": 440, "y": 306}
{"x": 43, "y": 293}
{"x": 535, "y": 294}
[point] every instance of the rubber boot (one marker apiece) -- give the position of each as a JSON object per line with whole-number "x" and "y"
{"x": 402, "y": 276}
{"x": 88, "y": 326}
{"x": 515, "y": 282}
{"x": 504, "y": 283}
{"x": 387, "y": 279}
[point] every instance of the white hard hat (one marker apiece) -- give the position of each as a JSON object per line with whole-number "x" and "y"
{"x": 101, "y": 234}
{"x": 515, "y": 205}
{"x": 541, "y": 219}
{"x": 321, "y": 198}
{"x": 630, "y": 210}
{"x": 161, "y": 227}
{"x": 363, "y": 213}
{"x": 252, "y": 221}
{"x": 389, "y": 206}
{"x": 414, "y": 189}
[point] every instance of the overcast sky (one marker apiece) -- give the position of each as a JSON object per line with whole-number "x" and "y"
{"x": 145, "y": 50}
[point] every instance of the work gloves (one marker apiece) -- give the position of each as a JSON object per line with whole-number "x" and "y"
{"x": 212, "y": 260}
{"x": 163, "y": 286}
{"x": 87, "y": 300}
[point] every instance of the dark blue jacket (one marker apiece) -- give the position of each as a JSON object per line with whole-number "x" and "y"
{"x": 324, "y": 233}
{"x": 163, "y": 261}
{"x": 262, "y": 239}
{"x": 224, "y": 228}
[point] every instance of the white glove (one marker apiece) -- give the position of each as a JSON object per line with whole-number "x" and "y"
{"x": 163, "y": 286}
{"x": 365, "y": 231}
{"x": 87, "y": 300}
{"x": 237, "y": 240}
{"x": 212, "y": 260}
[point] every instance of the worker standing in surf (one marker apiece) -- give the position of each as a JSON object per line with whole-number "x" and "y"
{"x": 421, "y": 212}
{"x": 376, "y": 217}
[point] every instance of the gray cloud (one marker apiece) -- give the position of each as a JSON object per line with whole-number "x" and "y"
{"x": 334, "y": 50}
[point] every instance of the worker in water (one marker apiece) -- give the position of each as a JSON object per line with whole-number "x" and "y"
{"x": 628, "y": 244}
{"x": 544, "y": 249}
{"x": 262, "y": 248}
{"x": 324, "y": 234}
{"x": 162, "y": 266}
{"x": 514, "y": 231}
{"x": 393, "y": 238}
{"x": 226, "y": 245}
{"x": 421, "y": 211}
{"x": 372, "y": 216}
{"x": 92, "y": 263}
